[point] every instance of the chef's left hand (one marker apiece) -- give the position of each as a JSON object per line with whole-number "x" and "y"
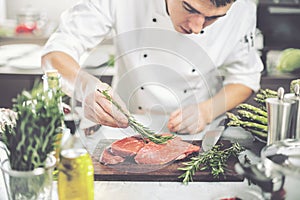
{"x": 189, "y": 120}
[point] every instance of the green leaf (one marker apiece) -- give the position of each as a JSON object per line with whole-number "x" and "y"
{"x": 214, "y": 160}
{"x": 32, "y": 138}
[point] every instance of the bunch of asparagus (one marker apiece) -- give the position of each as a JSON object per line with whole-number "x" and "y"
{"x": 253, "y": 118}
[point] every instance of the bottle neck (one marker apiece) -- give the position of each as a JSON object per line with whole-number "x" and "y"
{"x": 52, "y": 89}
{"x": 72, "y": 141}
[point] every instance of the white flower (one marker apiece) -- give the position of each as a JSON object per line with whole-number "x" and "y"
{"x": 7, "y": 117}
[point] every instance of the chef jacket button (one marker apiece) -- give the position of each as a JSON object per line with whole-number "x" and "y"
{"x": 154, "y": 20}
{"x": 193, "y": 70}
{"x": 184, "y": 91}
{"x": 140, "y": 108}
{"x": 201, "y": 32}
{"x": 142, "y": 88}
{"x": 145, "y": 55}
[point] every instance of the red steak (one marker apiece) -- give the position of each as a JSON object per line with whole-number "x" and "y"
{"x": 159, "y": 154}
{"x": 147, "y": 153}
{"x": 127, "y": 147}
{"x": 108, "y": 158}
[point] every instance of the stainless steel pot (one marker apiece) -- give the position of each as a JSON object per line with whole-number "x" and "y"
{"x": 278, "y": 173}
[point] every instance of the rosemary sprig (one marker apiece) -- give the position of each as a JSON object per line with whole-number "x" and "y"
{"x": 145, "y": 132}
{"x": 214, "y": 160}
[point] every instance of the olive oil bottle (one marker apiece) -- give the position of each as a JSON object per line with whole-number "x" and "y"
{"x": 52, "y": 87}
{"x": 76, "y": 171}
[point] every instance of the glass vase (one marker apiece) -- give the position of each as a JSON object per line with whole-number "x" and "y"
{"x": 29, "y": 185}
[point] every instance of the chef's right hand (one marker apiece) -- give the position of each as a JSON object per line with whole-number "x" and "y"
{"x": 97, "y": 108}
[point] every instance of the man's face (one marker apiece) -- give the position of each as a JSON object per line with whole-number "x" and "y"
{"x": 191, "y": 16}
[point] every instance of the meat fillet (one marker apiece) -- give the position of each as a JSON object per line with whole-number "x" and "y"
{"x": 128, "y": 146}
{"x": 147, "y": 153}
{"x": 159, "y": 154}
{"x": 107, "y": 158}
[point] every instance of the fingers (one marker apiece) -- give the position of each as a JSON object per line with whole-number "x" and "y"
{"x": 188, "y": 120}
{"x": 190, "y": 126}
{"x": 96, "y": 114}
{"x": 98, "y": 109}
{"x": 112, "y": 110}
{"x": 174, "y": 121}
{"x": 187, "y": 126}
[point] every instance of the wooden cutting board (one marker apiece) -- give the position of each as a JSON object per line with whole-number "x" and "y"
{"x": 130, "y": 171}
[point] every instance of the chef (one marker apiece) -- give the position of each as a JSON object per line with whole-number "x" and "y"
{"x": 188, "y": 60}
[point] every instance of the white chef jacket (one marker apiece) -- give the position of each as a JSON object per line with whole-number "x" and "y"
{"x": 159, "y": 69}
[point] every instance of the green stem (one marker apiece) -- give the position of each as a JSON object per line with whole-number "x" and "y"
{"x": 136, "y": 126}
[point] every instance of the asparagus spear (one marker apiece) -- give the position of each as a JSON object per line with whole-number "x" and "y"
{"x": 253, "y": 109}
{"x": 248, "y": 116}
{"x": 235, "y": 121}
{"x": 260, "y": 134}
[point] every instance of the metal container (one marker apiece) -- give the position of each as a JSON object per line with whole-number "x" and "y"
{"x": 296, "y": 118}
{"x": 280, "y": 113}
{"x": 278, "y": 172}
{"x": 284, "y": 158}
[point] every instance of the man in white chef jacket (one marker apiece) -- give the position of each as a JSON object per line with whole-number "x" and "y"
{"x": 189, "y": 60}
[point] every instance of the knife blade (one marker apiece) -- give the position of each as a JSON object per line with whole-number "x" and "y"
{"x": 212, "y": 136}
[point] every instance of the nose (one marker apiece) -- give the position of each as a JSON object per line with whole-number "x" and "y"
{"x": 196, "y": 23}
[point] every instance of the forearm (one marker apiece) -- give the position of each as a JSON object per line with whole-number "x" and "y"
{"x": 96, "y": 107}
{"x": 67, "y": 67}
{"x": 226, "y": 99}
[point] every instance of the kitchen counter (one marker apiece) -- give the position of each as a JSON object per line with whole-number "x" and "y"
{"x": 108, "y": 190}
{"x": 136, "y": 190}
{"x": 121, "y": 190}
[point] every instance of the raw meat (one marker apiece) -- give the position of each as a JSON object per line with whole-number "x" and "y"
{"x": 127, "y": 147}
{"x": 159, "y": 154}
{"x": 108, "y": 158}
{"x": 147, "y": 152}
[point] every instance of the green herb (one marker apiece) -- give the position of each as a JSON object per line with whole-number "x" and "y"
{"x": 214, "y": 160}
{"x": 111, "y": 61}
{"x": 136, "y": 126}
{"x": 33, "y": 137}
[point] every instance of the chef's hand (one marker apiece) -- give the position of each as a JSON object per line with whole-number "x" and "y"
{"x": 193, "y": 119}
{"x": 189, "y": 120}
{"x": 98, "y": 109}
{"x": 95, "y": 105}
{"x": 82, "y": 86}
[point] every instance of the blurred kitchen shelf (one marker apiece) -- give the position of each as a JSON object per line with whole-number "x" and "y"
{"x": 274, "y": 81}
{"x": 102, "y": 71}
{"x": 32, "y": 39}
{"x": 13, "y": 81}
{"x": 24, "y": 38}
{"x": 8, "y": 34}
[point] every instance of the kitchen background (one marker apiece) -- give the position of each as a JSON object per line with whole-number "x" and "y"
{"x": 52, "y": 8}
{"x": 277, "y": 30}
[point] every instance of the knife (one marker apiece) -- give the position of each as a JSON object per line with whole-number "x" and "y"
{"x": 212, "y": 136}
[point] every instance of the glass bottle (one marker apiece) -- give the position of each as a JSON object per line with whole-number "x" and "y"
{"x": 76, "y": 171}
{"x": 52, "y": 86}
{"x": 53, "y": 95}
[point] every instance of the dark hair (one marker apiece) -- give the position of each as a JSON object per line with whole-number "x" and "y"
{"x": 220, "y": 3}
